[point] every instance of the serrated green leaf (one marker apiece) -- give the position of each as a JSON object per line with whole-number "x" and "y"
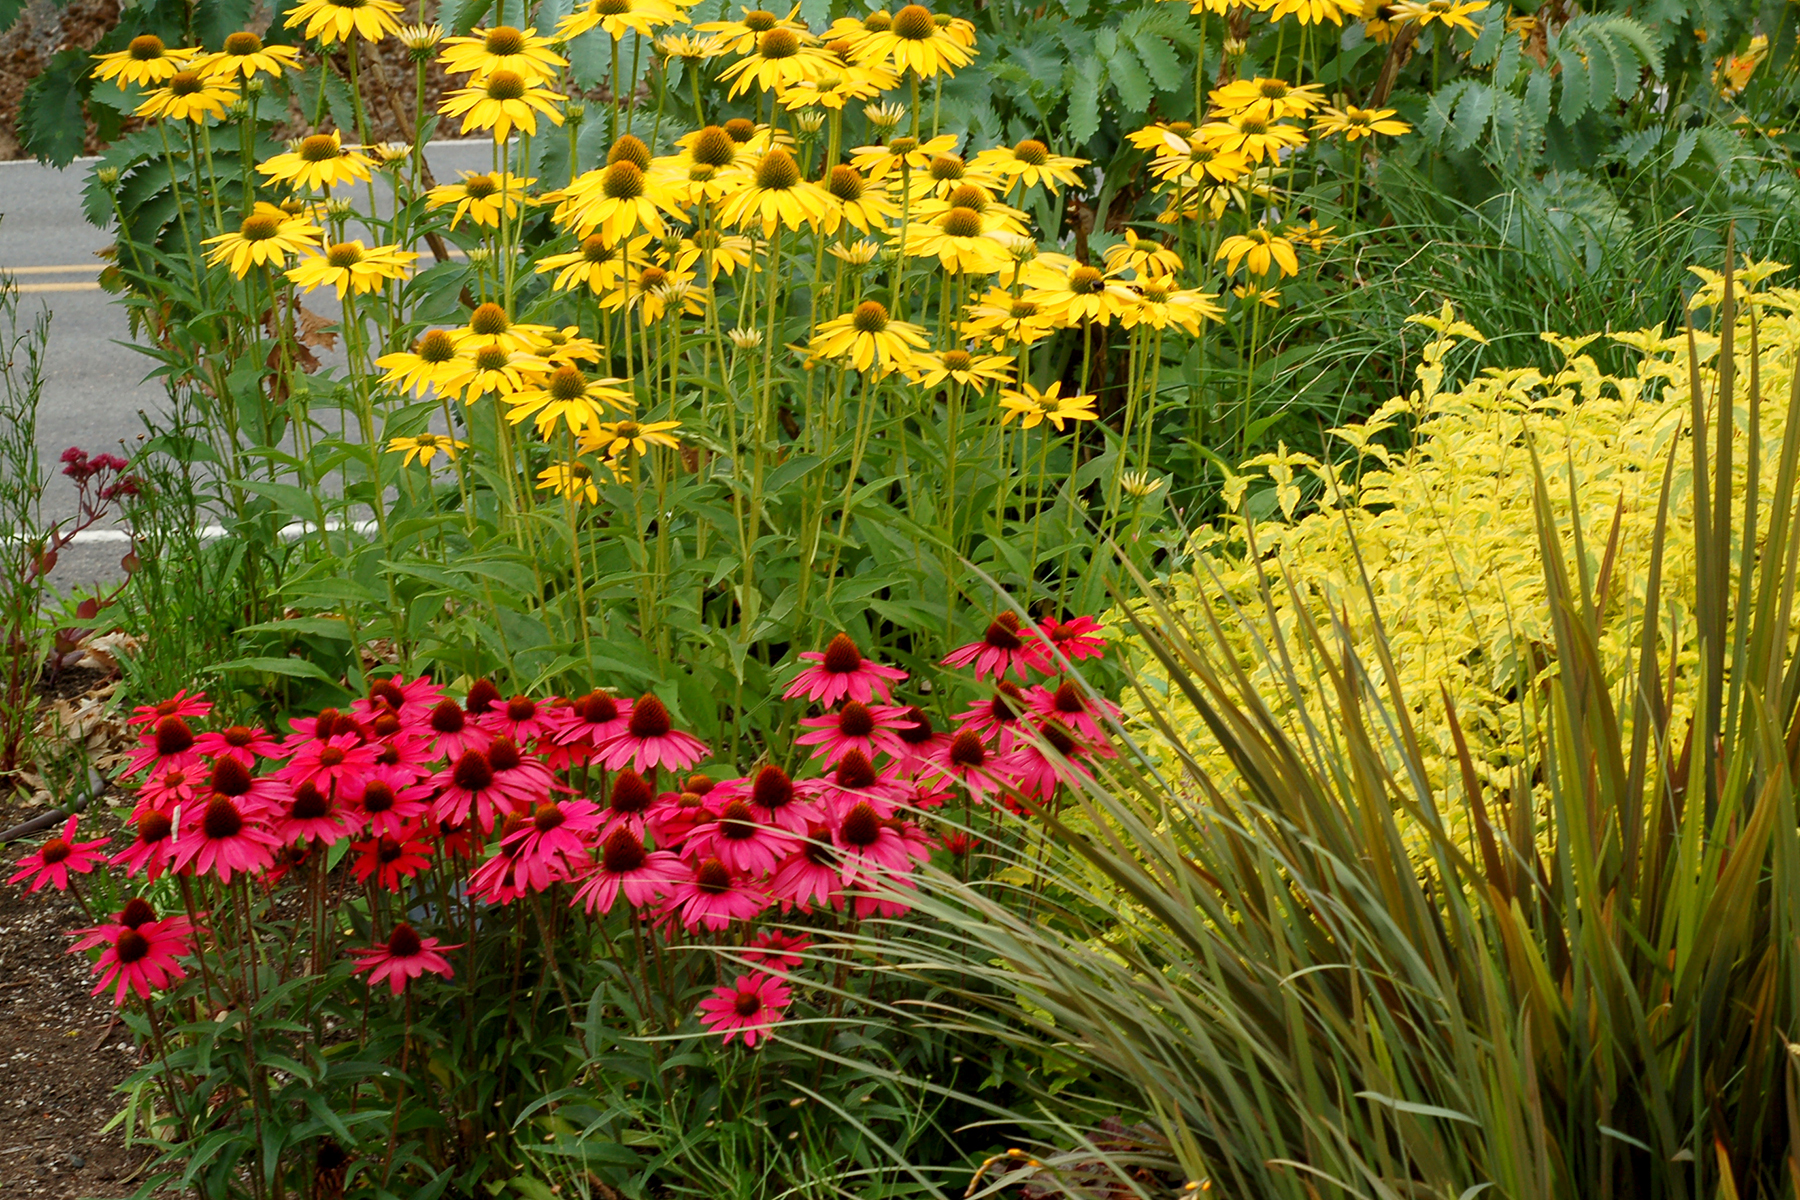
{"x": 1491, "y": 37}
{"x": 1130, "y": 80}
{"x": 52, "y": 125}
{"x": 1572, "y": 101}
{"x": 1084, "y": 105}
{"x": 1160, "y": 60}
{"x": 1472, "y": 113}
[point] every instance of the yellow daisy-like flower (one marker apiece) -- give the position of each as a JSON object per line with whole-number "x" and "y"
{"x": 1001, "y": 319}
{"x": 653, "y": 291}
{"x": 1256, "y": 293}
{"x": 616, "y": 201}
{"x": 245, "y": 56}
{"x": 713, "y": 252}
{"x": 855, "y": 203}
{"x": 500, "y": 102}
{"x": 914, "y": 42}
{"x": 143, "y": 62}
{"x": 740, "y": 37}
{"x": 1031, "y": 163}
{"x": 1311, "y": 235}
{"x": 685, "y": 46}
{"x": 617, "y": 437}
{"x": 782, "y": 58}
{"x": 565, "y": 345}
{"x": 869, "y": 339}
{"x": 425, "y": 447}
{"x": 502, "y": 48}
{"x": 1261, "y": 251}
{"x": 490, "y": 326}
{"x": 423, "y": 367}
{"x": 1068, "y": 292}
{"x": 569, "y": 479}
{"x": 188, "y": 96}
{"x": 264, "y": 239}
{"x": 1357, "y": 123}
{"x": 777, "y": 196}
{"x": 352, "y": 266}
{"x": 1033, "y": 407}
{"x": 337, "y": 20}
{"x": 618, "y": 18}
{"x": 480, "y": 196}
{"x": 319, "y": 161}
{"x": 1154, "y": 136}
{"x": 1451, "y": 14}
{"x": 1197, "y": 162}
{"x": 1162, "y": 304}
{"x": 843, "y": 82}
{"x": 960, "y": 241}
{"x": 478, "y": 370}
{"x": 1281, "y": 98}
{"x": 878, "y": 162}
{"x": 970, "y": 370}
{"x": 1310, "y": 12}
{"x": 1253, "y": 133}
{"x": 1143, "y": 256}
{"x": 588, "y": 264}
{"x": 569, "y": 396}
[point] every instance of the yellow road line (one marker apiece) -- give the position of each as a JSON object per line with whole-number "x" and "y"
{"x": 87, "y": 285}
{"x": 79, "y": 269}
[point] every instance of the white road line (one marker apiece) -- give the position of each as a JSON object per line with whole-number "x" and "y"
{"x": 212, "y": 533}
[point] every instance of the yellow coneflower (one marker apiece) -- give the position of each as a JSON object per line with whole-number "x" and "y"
{"x": 1034, "y": 407}
{"x": 843, "y": 82}
{"x": 1451, "y": 14}
{"x": 479, "y": 197}
{"x": 1311, "y": 235}
{"x": 1068, "y": 292}
{"x": 565, "y": 345}
{"x": 1282, "y": 98}
{"x": 615, "y": 438}
{"x": 503, "y": 100}
{"x": 854, "y": 203}
{"x": 652, "y": 291}
{"x": 1310, "y": 12}
{"x": 1155, "y": 136}
{"x": 859, "y": 253}
{"x": 567, "y": 395}
{"x": 569, "y": 479}
{"x": 1256, "y": 293}
{"x": 352, "y": 267}
{"x": 479, "y": 370}
{"x": 188, "y": 96}
{"x": 337, "y": 20}
{"x": 425, "y": 447}
{"x": 1356, "y": 123}
{"x": 490, "y": 326}
{"x": 869, "y": 339}
{"x": 264, "y": 239}
{"x": 782, "y": 57}
{"x": 688, "y": 48}
{"x": 714, "y": 252}
{"x": 914, "y": 42}
{"x": 740, "y": 37}
{"x": 423, "y": 367}
{"x": 995, "y": 216}
{"x": 1142, "y": 255}
{"x": 959, "y": 240}
{"x": 619, "y": 17}
{"x": 1161, "y": 304}
{"x": 318, "y": 161}
{"x": 777, "y": 196}
{"x": 502, "y": 48}
{"x": 1260, "y": 251}
{"x": 878, "y": 162}
{"x": 1252, "y": 133}
{"x": 245, "y": 56}
{"x": 1031, "y": 163}
{"x": 1000, "y": 319}
{"x": 592, "y": 263}
{"x": 421, "y": 40}
{"x": 615, "y": 201}
{"x": 144, "y": 61}
{"x": 970, "y": 370}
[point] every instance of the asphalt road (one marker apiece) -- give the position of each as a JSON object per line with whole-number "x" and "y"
{"x": 94, "y": 380}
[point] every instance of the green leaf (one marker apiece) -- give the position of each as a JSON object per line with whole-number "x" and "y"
{"x": 298, "y": 668}
{"x": 1472, "y": 114}
{"x": 9, "y": 12}
{"x": 1423, "y": 1110}
{"x": 1130, "y": 80}
{"x": 51, "y": 122}
{"x": 1492, "y": 37}
{"x": 1084, "y": 104}
{"x": 1573, "y": 102}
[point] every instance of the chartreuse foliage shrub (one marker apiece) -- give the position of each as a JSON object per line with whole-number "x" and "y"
{"x": 1458, "y": 853}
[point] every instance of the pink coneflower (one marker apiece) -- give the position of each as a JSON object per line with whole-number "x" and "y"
{"x": 289, "y": 856}
{"x": 885, "y": 902}
{"x": 389, "y": 860}
{"x": 739, "y": 841}
{"x": 552, "y": 844}
{"x": 452, "y": 733}
{"x": 1000, "y": 717}
{"x": 713, "y": 898}
{"x": 482, "y": 697}
{"x": 171, "y": 784}
{"x": 855, "y": 781}
{"x": 468, "y": 790}
{"x": 627, "y": 865}
{"x": 809, "y": 875}
{"x": 242, "y": 742}
{"x": 312, "y": 816}
{"x": 523, "y": 719}
{"x": 630, "y": 804}
{"x": 675, "y": 816}
{"x": 169, "y": 744}
{"x": 968, "y": 761}
{"x": 920, "y": 743}
{"x": 650, "y": 740}
{"x": 403, "y": 758}
{"x": 224, "y": 839}
{"x": 337, "y": 764}
{"x": 179, "y": 705}
{"x": 1004, "y": 647}
{"x": 870, "y": 728}
{"x": 389, "y": 810}
{"x": 329, "y": 723}
{"x": 776, "y": 951}
{"x": 871, "y": 847}
{"x": 747, "y": 1009}
{"x": 521, "y": 778}
{"x": 255, "y": 794}
{"x": 410, "y": 701}
{"x": 1036, "y": 769}
{"x": 774, "y": 800}
{"x": 592, "y": 720}
{"x": 53, "y": 862}
{"x": 153, "y": 850}
{"x": 140, "y": 951}
{"x": 841, "y": 671}
{"x": 455, "y": 839}
{"x": 1080, "y": 714}
{"x": 406, "y": 957}
{"x": 1074, "y": 639}
{"x": 496, "y": 880}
